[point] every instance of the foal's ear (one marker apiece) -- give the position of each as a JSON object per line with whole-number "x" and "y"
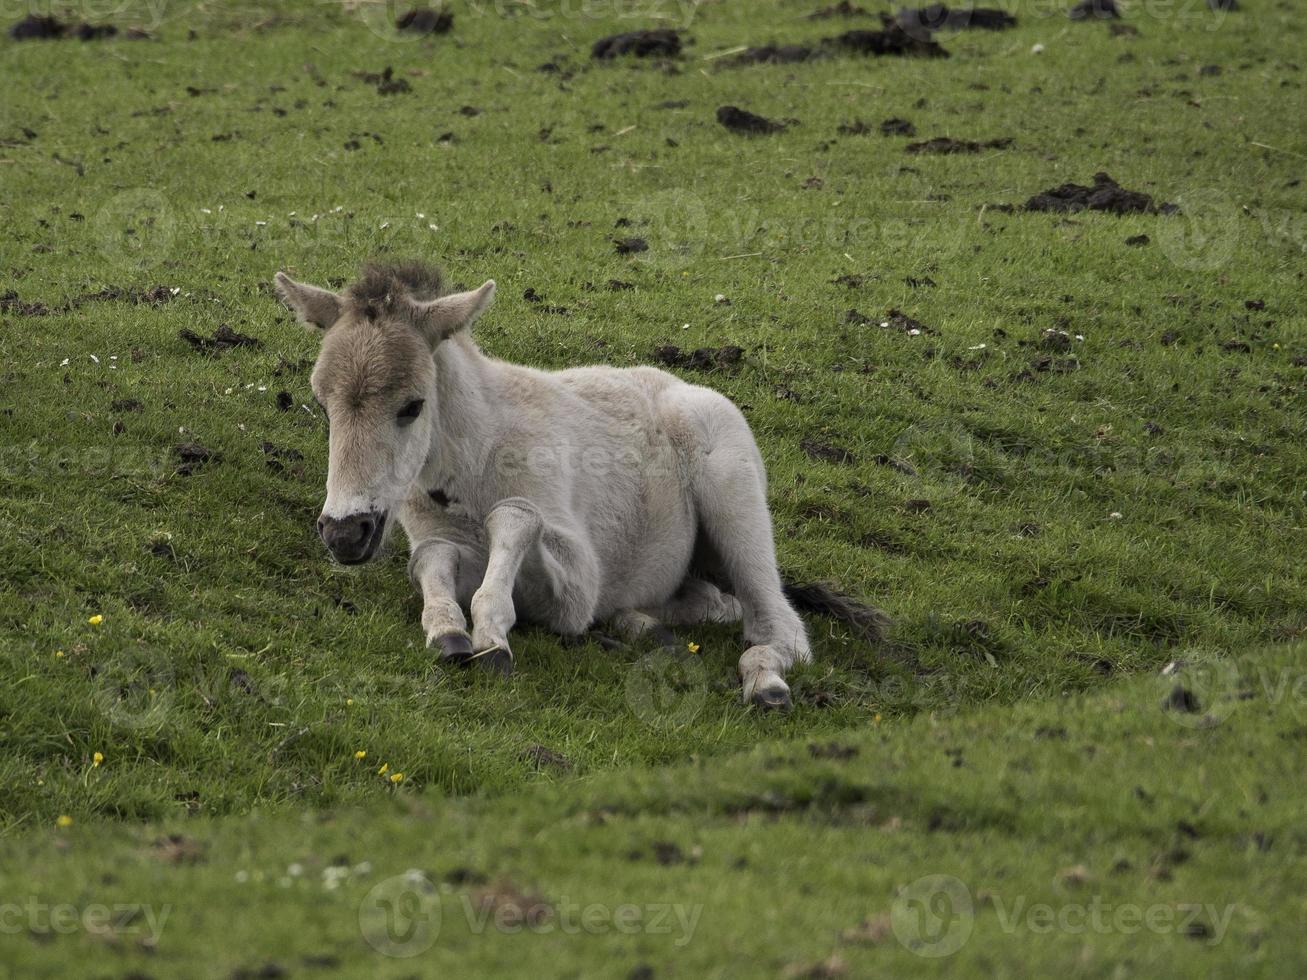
{"x": 314, "y": 306}
{"x": 439, "y": 318}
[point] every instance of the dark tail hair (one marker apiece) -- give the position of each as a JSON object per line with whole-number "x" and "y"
{"x": 868, "y": 622}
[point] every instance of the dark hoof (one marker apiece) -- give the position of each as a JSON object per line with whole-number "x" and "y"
{"x": 497, "y": 660}
{"x": 456, "y": 649}
{"x": 773, "y": 699}
{"x": 664, "y": 638}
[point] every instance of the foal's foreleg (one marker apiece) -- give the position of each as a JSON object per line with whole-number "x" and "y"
{"x": 445, "y": 573}
{"x": 513, "y": 527}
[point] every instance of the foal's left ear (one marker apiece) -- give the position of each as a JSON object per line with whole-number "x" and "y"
{"x": 439, "y": 318}
{"x": 314, "y": 306}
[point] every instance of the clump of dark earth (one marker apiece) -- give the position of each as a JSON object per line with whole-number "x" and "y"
{"x": 642, "y": 44}
{"x": 892, "y": 40}
{"x": 424, "y": 20}
{"x": 938, "y": 17}
{"x": 739, "y": 120}
{"x": 1183, "y": 700}
{"x": 543, "y": 757}
{"x": 191, "y": 456}
{"x": 10, "y": 303}
{"x": 385, "y": 81}
{"x": 1094, "y": 10}
{"x": 828, "y": 453}
{"x": 897, "y": 127}
{"x": 946, "y": 144}
{"x": 855, "y": 128}
{"x": 155, "y": 295}
{"x": 35, "y": 27}
{"x": 617, "y": 285}
{"x": 1138, "y": 241}
{"x": 1105, "y": 195}
{"x": 224, "y": 337}
{"x": 841, "y": 9}
{"x": 893, "y": 320}
{"x": 126, "y": 405}
{"x": 629, "y": 246}
{"x": 285, "y": 402}
{"x": 277, "y": 457}
{"x": 702, "y": 359}
{"x": 774, "y": 54}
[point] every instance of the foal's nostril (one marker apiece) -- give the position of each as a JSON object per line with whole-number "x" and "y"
{"x": 365, "y": 528}
{"x": 322, "y": 527}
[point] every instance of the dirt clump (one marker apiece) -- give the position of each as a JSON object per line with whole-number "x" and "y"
{"x": 827, "y": 453}
{"x": 739, "y": 120}
{"x": 642, "y": 44}
{"x": 891, "y": 40}
{"x": 701, "y": 359}
{"x": 425, "y": 20}
{"x": 1104, "y": 195}
{"x": 946, "y": 145}
{"x": 224, "y": 337}
{"x": 191, "y": 456}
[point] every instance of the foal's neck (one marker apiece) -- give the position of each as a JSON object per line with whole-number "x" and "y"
{"x": 465, "y": 392}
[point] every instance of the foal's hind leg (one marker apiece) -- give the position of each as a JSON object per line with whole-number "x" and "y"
{"x": 697, "y": 601}
{"x": 729, "y": 492}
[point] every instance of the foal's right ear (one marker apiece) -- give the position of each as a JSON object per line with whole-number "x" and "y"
{"x": 314, "y": 306}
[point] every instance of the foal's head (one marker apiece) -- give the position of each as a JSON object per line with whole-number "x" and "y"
{"x": 375, "y": 380}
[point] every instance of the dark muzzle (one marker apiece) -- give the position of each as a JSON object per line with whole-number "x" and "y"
{"x": 354, "y": 539}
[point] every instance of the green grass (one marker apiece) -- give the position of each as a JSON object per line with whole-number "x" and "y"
{"x": 1093, "y": 513}
{"x": 1089, "y": 836}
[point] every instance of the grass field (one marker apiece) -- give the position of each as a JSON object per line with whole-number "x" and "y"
{"x": 1063, "y": 462}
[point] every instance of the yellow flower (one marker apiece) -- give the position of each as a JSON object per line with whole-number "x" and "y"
{"x": 64, "y": 821}
{"x": 385, "y": 768}
{"x": 692, "y": 647}
{"x": 878, "y": 716}
{"x": 397, "y": 777}
{"x": 96, "y": 620}
{"x": 361, "y": 754}
{"x": 349, "y": 701}
{"x": 97, "y": 759}
{"x": 58, "y": 653}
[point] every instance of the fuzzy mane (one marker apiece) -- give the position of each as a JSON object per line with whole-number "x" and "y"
{"x": 381, "y": 284}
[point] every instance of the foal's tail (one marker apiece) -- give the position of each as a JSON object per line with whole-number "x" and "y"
{"x": 868, "y": 622}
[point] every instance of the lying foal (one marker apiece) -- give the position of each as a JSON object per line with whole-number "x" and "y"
{"x": 566, "y": 498}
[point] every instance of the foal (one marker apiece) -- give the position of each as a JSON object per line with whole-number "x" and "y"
{"x": 566, "y": 498}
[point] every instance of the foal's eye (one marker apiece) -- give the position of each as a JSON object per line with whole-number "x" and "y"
{"x": 410, "y": 412}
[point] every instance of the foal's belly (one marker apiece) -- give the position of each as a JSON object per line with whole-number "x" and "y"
{"x": 652, "y": 550}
